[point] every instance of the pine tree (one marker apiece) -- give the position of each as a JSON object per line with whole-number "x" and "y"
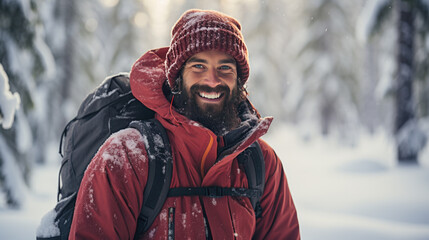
{"x": 409, "y": 138}
{"x": 324, "y": 68}
{"x": 25, "y": 59}
{"x": 264, "y": 30}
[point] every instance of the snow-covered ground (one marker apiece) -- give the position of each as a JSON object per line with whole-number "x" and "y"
{"x": 340, "y": 192}
{"x": 22, "y": 224}
{"x": 354, "y": 192}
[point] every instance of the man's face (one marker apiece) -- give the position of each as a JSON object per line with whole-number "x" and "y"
{"x": 210, "y": 90}
{"x": 210, "y": 78}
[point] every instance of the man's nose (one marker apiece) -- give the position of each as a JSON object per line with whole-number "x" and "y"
{"x": 212, "y": 78}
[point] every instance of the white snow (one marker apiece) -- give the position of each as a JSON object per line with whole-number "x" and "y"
{"x": 152, "y": 233}
{"x": 184, "y": 216}
{"x": 23, "y": 223}
{"x": 11, "y": 172}
{"x": 163, "y": 216}
{"x": 48, "y": 227}
{"x": 193, "y": 18}
{"x": 367, "y": 19}
{"x": 340, "y": 192}
{"x": 103, "y": 95}
{"x": 9, "y": 102}
{"x": 158, "y": 140}
{"x": 354, "y": 192}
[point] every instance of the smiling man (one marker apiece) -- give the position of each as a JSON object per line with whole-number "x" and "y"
{"x": 196, "y": 87}
{"x": 210, "y": 93}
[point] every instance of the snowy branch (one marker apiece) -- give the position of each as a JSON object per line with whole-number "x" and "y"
{"x": 368, "y": 18}
{"x": 9, "y": 102}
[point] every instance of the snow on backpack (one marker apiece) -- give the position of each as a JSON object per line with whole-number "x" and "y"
{"x": 108, "y": 109}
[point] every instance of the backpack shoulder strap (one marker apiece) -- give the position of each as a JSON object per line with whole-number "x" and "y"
{"x": 159, "y": 174}
{"x": 253, "y": 162}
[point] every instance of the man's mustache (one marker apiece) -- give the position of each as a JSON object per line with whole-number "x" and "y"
{"x": 204, "y": 88}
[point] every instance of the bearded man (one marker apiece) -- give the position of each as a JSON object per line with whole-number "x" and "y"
{"x": 196, "y": 86}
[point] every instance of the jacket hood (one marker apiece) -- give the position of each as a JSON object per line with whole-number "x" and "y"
{"x": 147, "y": 77}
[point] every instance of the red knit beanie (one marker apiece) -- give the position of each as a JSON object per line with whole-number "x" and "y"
{"x": 203, "y": 30}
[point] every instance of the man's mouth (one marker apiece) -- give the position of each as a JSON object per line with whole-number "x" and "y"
{"x": 210, "y": 95}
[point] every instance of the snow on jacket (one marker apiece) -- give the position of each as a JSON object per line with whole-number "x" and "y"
{"x": 111, "y": 193}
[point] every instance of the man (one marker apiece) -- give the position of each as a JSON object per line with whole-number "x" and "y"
{"x": 196, "y": 88}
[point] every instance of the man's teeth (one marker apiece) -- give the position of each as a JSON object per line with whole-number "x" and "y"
{"x": 209, "y": 95}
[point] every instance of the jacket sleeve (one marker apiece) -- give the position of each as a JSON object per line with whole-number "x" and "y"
{"x": 279, "y": 217}
{"x": 111, "y": 193}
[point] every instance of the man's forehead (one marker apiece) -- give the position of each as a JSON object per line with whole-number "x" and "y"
{"x": 203, "y": 57}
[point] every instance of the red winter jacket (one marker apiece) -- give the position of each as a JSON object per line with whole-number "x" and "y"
{"x": 111, "y": 193}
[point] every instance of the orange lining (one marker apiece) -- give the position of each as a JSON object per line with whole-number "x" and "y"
{"x": 171, "y": 109}
{"x": 203, "y": 161}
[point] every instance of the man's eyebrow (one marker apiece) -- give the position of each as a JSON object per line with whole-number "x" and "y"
{"x": 200, "y": 60}
{"x": 195, "y": 59}
{"x": 227, "y": 60}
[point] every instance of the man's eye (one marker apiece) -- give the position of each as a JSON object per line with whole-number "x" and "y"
{"x": 198, "y": 66}
{"x": 225, "y": 67}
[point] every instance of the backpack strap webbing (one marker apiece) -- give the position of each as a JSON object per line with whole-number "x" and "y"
{"x": 214, "y": 191}
{"x": 160, "y": 171}
{"x": 253, "y": 162}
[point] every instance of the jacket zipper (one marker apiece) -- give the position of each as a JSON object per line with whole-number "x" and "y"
{"x": 171, "y": 213}
{"x": 206, "y": 227}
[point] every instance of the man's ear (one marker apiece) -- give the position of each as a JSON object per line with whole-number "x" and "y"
{"x": 179, "y": 85}
{"x": 242, "y": 89}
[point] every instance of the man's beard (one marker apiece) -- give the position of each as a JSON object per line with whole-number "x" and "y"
{"x": 220, "y": 118}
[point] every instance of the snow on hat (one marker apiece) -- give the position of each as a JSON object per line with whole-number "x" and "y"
{"x": 203, "y": 30}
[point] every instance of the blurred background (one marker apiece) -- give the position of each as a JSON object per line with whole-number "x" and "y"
{"x": 338, "y": 76}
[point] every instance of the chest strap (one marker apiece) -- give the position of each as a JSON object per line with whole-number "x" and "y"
{"x": 214, "y": 192}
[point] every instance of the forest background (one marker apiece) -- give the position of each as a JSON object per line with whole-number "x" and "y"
{"x": 328, "y": 69}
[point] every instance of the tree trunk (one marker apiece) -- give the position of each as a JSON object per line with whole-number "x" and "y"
{"x": 67, "y": 9}
{"x": 404, "y": 91}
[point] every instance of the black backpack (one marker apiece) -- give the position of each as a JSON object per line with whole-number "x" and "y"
{"x": 110, "y": 108}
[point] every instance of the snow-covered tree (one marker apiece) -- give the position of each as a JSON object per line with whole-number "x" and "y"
{"x": 412, "y": 19}
{"x": 324, "y": 68}
{"x": 55, "y": 52}
{"x": 107, "y": 37}
{"x": 265, "y": 28}
{"x": 11, "y": 181}
{"x": 28, "y": 62}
